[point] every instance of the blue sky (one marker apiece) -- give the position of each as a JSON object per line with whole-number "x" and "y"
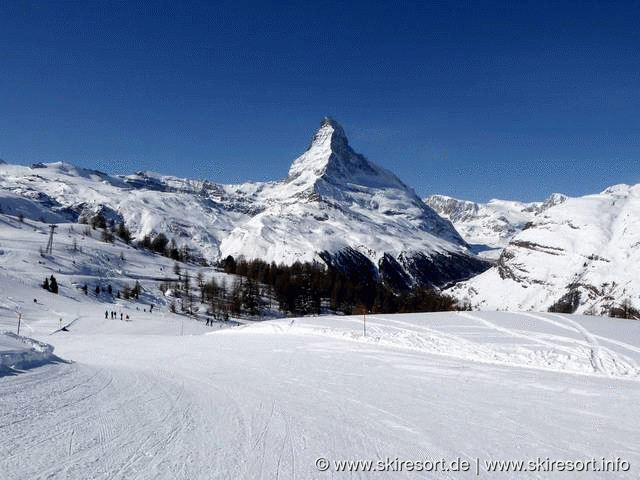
{"x": 471, "y": 99}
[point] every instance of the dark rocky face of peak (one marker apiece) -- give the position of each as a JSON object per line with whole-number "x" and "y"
{"x": 331, "y": 131}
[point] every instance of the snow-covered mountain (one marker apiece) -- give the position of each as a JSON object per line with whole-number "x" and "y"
{"x": 581, "y": 254}
{"x": 337, "y": 206}
{"x": 489, "y": 226}
{"x": 334, "y": 206}
{"x": 161, "y": 395}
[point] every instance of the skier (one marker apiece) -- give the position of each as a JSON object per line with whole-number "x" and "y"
{"x": 106, "y": 314}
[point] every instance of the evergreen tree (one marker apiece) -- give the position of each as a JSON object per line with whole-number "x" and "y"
{"x": 186, "y": 286}
{"x": 236, "y": 298}
{"x": 159, "y": 244}
{"x": 98, "y": 221}
{"x": 250, "y": 297}
{"x": 135, "y": 291}
{"x": 124, "y": 233}
{"x": 53, "y": 284}
{"x": 229, "y": 265}
{"x": 107, "y": 236}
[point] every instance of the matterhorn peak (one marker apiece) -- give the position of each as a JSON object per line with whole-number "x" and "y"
{"x": 330, "y": 157}
{"x": 328, "y": 141}
{"x": 330, "y": 134}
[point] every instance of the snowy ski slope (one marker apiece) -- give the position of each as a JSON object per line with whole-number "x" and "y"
{"x": 268, "y": 400}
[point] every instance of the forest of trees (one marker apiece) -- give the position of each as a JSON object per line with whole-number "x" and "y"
{"x": 299, "y": 289}
{"x": 308, "y": 288}
{"x": 311, "y": 288}
{"x": 162, "y": 245}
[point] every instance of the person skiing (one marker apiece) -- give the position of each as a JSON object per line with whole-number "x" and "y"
{"x": 106, "y": 314}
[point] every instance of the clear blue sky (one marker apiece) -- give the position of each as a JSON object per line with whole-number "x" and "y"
{"x": 471, "y": 99}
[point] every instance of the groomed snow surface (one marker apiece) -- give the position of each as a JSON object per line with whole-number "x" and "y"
{"x": 18, "y": 352}
{"x": 267, "y": 400}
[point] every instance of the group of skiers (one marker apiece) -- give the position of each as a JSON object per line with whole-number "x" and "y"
{"x": 114, "y": 315}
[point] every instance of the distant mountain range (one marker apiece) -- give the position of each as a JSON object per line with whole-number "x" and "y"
{"x": 580, "y": 254}
{"x": 489, "y": 226}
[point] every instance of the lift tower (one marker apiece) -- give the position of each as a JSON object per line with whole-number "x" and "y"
{"x": 49, "y": 249}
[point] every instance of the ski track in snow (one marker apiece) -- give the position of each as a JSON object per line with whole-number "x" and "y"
{"x": 511, "y": 346}
{"x": 264, "y": 401}
{"x": 91, "y": 423}
{"x": 602, "y": 359}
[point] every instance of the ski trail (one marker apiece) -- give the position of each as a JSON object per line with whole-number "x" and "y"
{"x": 594, "y": 347}
{"x": 544, "y": 350}
{"x": 123, "y": 422}
{"x": 618, "y": 343}
{"x": 512, "y": 332}
{"x": 599, "y": 356}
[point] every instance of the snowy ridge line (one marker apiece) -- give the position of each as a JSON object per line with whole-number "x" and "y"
{"x": 18, "y": 352}
{"x": 515, "y": 348}
{"x": 589, "y": 242}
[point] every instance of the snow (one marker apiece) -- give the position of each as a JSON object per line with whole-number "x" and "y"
{"x": 333, "y": 200}
{"x": 267, "y": 400}
{"x": 163, "y": 396}
{"x": 17, "y": 352}
{"x": 489, "y": 227}
{"x": 588, "y": 244}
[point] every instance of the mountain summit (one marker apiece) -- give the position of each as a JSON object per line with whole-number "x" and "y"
{"x": 331, "y": 159}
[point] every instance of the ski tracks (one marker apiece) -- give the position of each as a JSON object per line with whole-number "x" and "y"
{"x": 603, "y": 360}
{"x": 104, "y": 424}
{"x": 533, "y": 348}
